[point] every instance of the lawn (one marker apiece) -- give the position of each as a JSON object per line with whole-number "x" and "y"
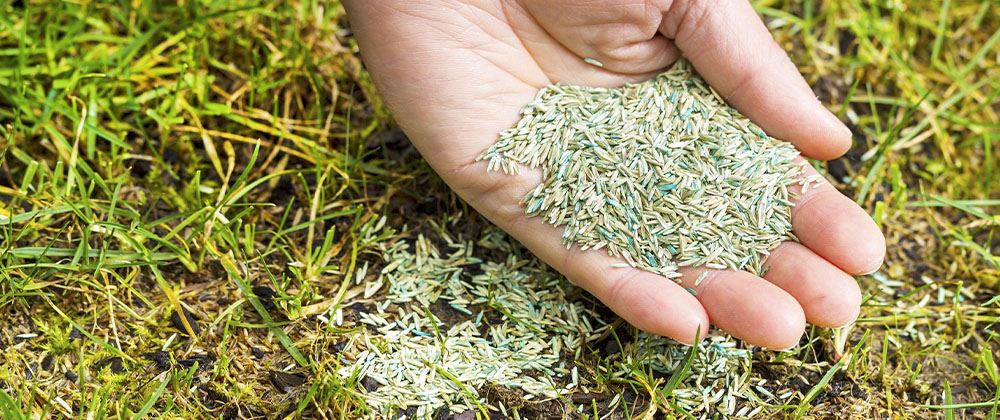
{"x": 206, "y": 211}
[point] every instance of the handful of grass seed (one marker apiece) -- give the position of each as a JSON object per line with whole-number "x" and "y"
{"x": 661, "y": 173}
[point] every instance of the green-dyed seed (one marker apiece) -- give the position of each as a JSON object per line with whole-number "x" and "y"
{"x": 593, "y": 62}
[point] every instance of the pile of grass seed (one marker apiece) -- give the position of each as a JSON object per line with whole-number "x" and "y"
{"x": 661, "y": 173}
{"x": 444, "y": 324}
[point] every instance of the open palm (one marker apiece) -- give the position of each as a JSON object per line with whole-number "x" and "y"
{"x": 455, "y": 73}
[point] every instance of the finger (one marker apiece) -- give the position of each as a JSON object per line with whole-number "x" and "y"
{"x": 622, "y": 39}
{"x": 562, "y": 60}
{"x": 646, "y": 300}
{"x": 747, "y": 307}
{"x": 637, "y": 58}
{"x": 828, "y": 296}
{"x": 836, "y": 228}
{"x": 733, "y": 50}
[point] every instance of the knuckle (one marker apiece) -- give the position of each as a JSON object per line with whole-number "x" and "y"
{"x": 627, "y": 53}
{"x": 690, "y": 17}
{"x": 619, "y": 289}
{"x": 707, "y": 283}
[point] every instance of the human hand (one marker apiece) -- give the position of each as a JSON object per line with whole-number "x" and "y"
{"x": 456, "y": 73}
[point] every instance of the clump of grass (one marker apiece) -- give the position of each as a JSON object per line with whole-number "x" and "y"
{"x": 174, "y": 159}
{"x": 662, "y": 173}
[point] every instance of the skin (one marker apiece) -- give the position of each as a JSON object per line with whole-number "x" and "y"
{"x": 455, "y": 73}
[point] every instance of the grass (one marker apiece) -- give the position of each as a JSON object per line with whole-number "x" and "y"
{"x": 186, "y": 189}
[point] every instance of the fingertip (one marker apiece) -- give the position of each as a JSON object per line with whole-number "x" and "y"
{"x": 650, "y": 302}
{"x": 837, "y": 229}
{"x": 838, "y": 306}
{"x": 749, "y": 308}
{"x": 872, "y": 271}
{"x": 785, "y": 326}
{"x": 828, "y": 296}
{"x": 835, "y": 139}
{"x": 683, "y": 325}
{"x": 843, "y": 139}
{"x": 818, "y": 134}
{"x": 779, "y": 325}
{"x": 867, "y": 250}
{"x": 668, "y": 310}
{"x": 848, "y": 313}
{"x": 874, "y": 252}
{"x": 688, "y": 332}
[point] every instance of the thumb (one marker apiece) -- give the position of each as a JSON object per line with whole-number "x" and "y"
{"x": 731, "y": 48}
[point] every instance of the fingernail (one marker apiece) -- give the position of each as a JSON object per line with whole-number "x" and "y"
{"x": 787, "y": 349}
{"x": 872, "y": 271}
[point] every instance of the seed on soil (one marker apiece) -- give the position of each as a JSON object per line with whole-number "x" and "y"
{"x": 662, "y": 174}
{"x": 521, "y": 327}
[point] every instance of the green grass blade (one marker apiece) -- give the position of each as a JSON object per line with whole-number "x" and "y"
{"x": 153, "y": 398}
{"x": 9, "y": 408}
{"x": 682, "y": 372}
